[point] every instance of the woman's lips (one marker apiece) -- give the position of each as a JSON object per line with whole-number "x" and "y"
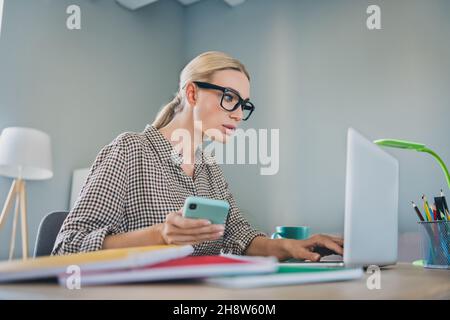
{"x": 229, "y": 129}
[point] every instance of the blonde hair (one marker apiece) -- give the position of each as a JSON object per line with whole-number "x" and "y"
{"x": 201, "y": 68}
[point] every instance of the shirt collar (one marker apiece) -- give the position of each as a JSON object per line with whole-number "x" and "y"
{"x": 165, "y": 149}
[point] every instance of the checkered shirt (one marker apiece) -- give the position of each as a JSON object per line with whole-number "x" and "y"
{"x": 134, "y": 182}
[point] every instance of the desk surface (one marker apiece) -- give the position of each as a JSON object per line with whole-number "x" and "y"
{"x": 402, "y": 281}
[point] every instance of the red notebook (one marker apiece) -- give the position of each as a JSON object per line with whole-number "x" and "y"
{"x": 191, "y": 267}
{"x": 201, "y": 261}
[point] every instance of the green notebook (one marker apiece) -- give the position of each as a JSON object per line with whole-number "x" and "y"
{"x": 288, "y": 275}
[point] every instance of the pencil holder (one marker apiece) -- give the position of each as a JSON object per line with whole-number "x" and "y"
{"x": 435, "y": 243}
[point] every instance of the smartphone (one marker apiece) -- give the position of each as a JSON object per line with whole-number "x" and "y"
{"x": 213, "y": 210}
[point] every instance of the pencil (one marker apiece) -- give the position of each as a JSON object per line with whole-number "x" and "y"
{"x": 417, "y": 211}
{"x": 435, "y": 215}
{"x": 426, "y": 208}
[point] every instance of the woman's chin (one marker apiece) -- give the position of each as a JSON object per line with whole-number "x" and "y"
{"x": 220, "y": 134}
{"x": 223, "y": 138}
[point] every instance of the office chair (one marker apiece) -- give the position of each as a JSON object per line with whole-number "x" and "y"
{"x": 47, "y": 232}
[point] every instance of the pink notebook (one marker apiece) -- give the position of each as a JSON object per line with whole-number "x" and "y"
{"x": 191, "y": 267}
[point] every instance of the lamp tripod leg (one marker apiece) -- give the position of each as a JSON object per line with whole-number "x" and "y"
{"x": 8, "y": 203}
{"x": 23, "y": 211}
{"x": 14, "y": 227}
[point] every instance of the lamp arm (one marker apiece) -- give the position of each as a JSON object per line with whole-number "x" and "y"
{"x": 441, "y": 163}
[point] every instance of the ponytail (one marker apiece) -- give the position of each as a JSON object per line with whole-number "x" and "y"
{"x": 167, "y": 112}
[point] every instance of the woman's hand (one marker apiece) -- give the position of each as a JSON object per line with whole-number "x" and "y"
{"x": 306, "y": 249}
{"x": 183, "y": 231}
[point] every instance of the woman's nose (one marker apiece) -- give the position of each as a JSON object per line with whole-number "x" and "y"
{"x": 237, "y": 114}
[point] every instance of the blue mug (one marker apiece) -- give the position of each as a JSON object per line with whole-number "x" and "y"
{"x": 288, "y": 232}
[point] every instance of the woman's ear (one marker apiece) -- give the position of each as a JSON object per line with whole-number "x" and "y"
{"x": 191, "y": 94}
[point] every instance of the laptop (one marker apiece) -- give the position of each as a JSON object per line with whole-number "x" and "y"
{"x": 371, "y": 207}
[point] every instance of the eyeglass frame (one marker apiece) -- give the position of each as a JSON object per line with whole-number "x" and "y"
{"x": 241, "y": 103}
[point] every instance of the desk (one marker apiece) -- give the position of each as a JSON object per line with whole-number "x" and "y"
{"x": 402, "y": 281}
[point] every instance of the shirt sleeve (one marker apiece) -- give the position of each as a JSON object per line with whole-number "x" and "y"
{"x": 99, "y": 208}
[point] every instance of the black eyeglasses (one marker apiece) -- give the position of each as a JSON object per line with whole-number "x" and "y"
{"x": 231, "y": 100}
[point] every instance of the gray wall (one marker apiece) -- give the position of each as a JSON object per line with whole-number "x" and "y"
{"x": 82, "y": 87}
{"x": 315, "y": 70}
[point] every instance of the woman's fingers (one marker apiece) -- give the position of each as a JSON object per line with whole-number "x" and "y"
{"x": 181, "y": 230}
{"x": 326, "y": 242}
{"x": 302, "y": 249}
{"x": 338, "y": 240}
{"x": 179, "y": 225}
{"x": 303, "y": 253}
{"x": 178, "y": 220}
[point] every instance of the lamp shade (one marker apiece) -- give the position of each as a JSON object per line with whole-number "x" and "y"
{"x": 402, "y": 144}
{"x": 25, "y": 153}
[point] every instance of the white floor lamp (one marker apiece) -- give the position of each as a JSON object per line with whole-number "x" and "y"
{"x": 25, "y": 154}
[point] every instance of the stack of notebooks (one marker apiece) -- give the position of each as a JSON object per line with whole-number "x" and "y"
{"x": 163, "y": 263}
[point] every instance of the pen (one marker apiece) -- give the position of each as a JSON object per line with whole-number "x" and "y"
{"x": 440, "y": 207}
{"x": 444, "y": 202}
{"x": 417, "y": 211}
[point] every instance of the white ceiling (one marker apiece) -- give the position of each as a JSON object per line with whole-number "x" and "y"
{"x": 137, "y": 4}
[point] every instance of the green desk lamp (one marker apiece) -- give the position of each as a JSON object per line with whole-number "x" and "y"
{"x": 420, "y": 147}
{"x": 414, "y": 146}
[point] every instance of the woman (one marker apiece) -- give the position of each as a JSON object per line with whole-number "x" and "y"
{"x": 138, "y": 183}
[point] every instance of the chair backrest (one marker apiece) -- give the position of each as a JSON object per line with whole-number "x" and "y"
{"x": 47, "y": 232}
